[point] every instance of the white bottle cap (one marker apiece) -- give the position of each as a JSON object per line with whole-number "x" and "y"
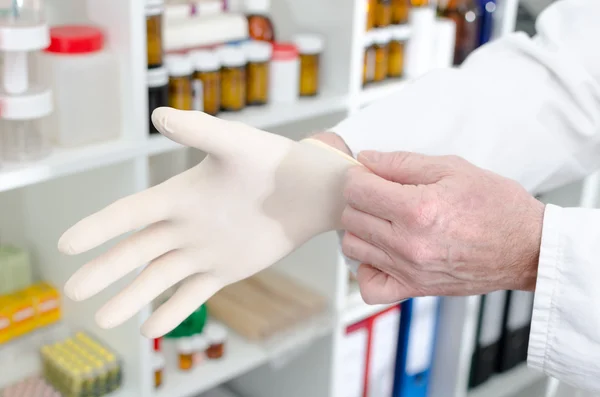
{"x": 34, "y": 104}
{"x": 232, "y": 56}
{"x": 185, "y": 346}
{"x": 209, "y": 7}
{"x": 257, "y": 51}
{"x": 179, "y": 65}
{"x": 157, "y": 77}
{"x": 400, "y": 32}
{"x": 382, "y": 36}
{"x": 257, "y": 6}
{"x": 158, "y": 361}
{"x": 215, "y": 333}
{"x": 200, "y": 343}
{"x": 205, "y": 60}
{"x": 309, "y": 43}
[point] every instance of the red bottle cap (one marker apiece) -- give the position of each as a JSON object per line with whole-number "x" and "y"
{"x": 284, "y": 51}
{"x": 157, "y": 344}
{"x": 75, "y": 39}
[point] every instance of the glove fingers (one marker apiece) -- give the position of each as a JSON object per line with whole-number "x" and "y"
{"x": 196, "y": 129}
{"x": 160, "y": 275}
{"x": 196, "y": 290}
{"x": 129, "y": 254}
{"x": 122, "y": 216}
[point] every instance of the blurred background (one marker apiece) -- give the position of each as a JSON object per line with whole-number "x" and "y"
{"x": 80, "y": 79}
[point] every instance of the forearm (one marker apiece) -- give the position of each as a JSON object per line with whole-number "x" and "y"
{"x": 525, "y": 108}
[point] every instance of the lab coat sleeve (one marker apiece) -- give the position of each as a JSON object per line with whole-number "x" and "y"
{"x": 528, "y": 109}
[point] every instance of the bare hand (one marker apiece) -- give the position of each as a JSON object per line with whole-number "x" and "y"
{"x": 438, "y": 226}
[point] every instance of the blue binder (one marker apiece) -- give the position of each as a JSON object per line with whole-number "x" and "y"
{"x": 416, "y": 346}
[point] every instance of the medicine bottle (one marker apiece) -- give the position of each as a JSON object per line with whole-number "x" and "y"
{"x": 466, "y": 16}
{"x": 310, "y": 48}
{"x": 158, "y": 92}
{"x": 207, "y": 81}
{"x": 185, "y": 351}
{"x": 383, "y": 13}
{"x": 382, "y": 43}
{"x": 180, "y": 82}
{"x": 369, "y": 58}
{"x": 284, "y": 78}
{"x": 154, "y": 32}
{"x": 371, "y": 10}
{"x": 158, "y": 363}
{"x": 233, "y": 79}
{"x": 260, "y": 26}
{"x": 199, "y": 344}
{"x": 400, "y": 10}
{"x": 396, "y": 52}
{"x": 217, "y": 337}
{"x": 258, "y": 54}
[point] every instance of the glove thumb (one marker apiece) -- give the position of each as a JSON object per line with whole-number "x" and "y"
{"x": 196, "y": 129}
{"x": 404, "y": 167}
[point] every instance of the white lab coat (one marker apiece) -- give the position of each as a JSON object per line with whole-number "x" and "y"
{"x": 528, "y": 109}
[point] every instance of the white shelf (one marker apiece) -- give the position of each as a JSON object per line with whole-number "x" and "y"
{"x": 62, "y": 162}
{"x": 241, "y": 356}
{"x": 509, "y": 384}
{"x": 376, "y": 91}
{"x": 357, "y": 310}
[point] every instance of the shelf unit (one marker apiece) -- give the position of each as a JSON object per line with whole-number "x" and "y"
{"x": 40, "y": 200}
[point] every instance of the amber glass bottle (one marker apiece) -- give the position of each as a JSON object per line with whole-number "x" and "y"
{"x": 465, "y": 15}
{"x": 400, "y": 11}
{"x": 154, "y": 29}
{"x": 180, "y": 82}
{"x": 383, "y": 13}
{"x": 260, "y": 26}
{"x": 371, "y": 8}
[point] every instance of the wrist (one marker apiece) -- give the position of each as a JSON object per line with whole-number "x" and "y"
{"x": 532, "y": 238}
{"x": 332, "y": 140}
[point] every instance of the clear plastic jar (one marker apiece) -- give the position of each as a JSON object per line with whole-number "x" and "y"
{"x": 382, "y": 42}
{"x": 23, "y": 141}
{"x": 29, "y": 11}
{"x": 207, "y": 81}
{"x": 258, "y": 54}
{"x": 310, "y": 48}
{"x": 86, "y": 84}
{"x": 154, "y": 32}
{"x": 396, "y": 53}
{"x": 233, "y": 79}
{"x": 158, "y": 92}
{"x": 180, "y": 82}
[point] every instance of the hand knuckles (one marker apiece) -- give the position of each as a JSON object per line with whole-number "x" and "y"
{"x": 425, "y": 214}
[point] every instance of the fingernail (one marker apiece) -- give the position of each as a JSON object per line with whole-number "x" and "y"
{"x": 369, "y": 157}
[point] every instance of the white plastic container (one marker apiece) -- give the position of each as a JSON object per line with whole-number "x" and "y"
{"x": 420, "y": 47}
{"x": 85, "y": 80}
{"x": 284, "y": 76}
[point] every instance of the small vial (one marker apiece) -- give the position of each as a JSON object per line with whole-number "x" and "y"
{"x": 200, "y": 344}
{"x": 258, "y": 55}
{"x": 233, "y": 79}
{"x": 217, "y": 337}
{"x": 158, "y": 365}
{"x": 207, "y": 81}
{"x": 369, "y": 58}
{"x": 400, "y": 10}
{"x": 158, "y": 92}
{"x": 382, "y": 42}
{"x": 383, "y": 13}
{"x": 180, "y": 82}
{"x": 396, "y": 53}
{"x": 154, "y": 32}
{"x": 371, "y": 10}
{"x": 310, "y": 48}
{"x": 185, "y": 350}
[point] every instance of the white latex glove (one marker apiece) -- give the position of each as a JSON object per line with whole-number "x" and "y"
{"x": 254, "y": 199}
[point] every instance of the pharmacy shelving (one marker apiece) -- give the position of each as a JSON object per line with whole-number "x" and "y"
{"x": 509, "y": 384}
{"x": 40, "y": 200}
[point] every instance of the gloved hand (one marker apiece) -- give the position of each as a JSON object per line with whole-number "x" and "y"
{"x": 254, "y": 199}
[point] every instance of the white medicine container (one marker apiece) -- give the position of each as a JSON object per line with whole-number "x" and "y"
{"x": 84, "y": 76}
